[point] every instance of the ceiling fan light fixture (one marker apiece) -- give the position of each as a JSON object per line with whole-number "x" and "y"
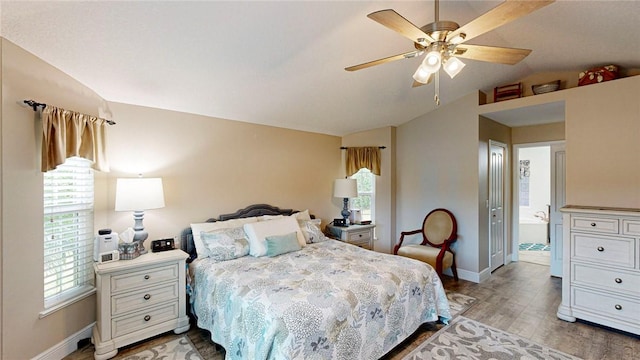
{"x": 422, "y": 75}
{"x": 432, "y": 61}
{"x": 453, "y": 66}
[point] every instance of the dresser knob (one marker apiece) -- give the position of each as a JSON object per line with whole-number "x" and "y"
{"x": 600, "y": 248}
{"x": 147, "y": 318}
{"x": 618, "y": 280}
{"x": 147, "y": 296}
{"x": 593, "y": 224}
{"x": 618, "y": 307}
{"x": 146, "y": 277}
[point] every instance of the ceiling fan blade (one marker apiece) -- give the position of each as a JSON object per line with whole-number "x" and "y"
{"x": 502, "y": 14}
{"x": 509, "y": 56}
{"x": 406, "y": 55}
{"x": 399, "y": 24}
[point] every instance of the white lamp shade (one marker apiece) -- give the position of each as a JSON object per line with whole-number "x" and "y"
{"x": 422, "y": 75}
{"x": 139, "y": 194}
{"x": 453, "y": 66}
{"x": 345, "y": 188}
{"x": 432, "y": 61}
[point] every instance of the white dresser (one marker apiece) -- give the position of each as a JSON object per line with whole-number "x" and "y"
{"x": 138, "y": 299}
{"x": 601, "y": 267}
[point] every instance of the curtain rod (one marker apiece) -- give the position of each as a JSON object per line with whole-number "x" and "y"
{"x": 345, "y": 148}
{"x": 34, "y": 105}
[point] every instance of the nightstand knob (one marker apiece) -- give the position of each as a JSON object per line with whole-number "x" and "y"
{"x": 593, "y": 224}
{"x": 147, "y": 318}
{"x": 147, "y": 296}
{"x": 600, "y": 248}
{"x": 618, "y": 307}
{"x": 618, "y": 281}
{"x": 146, "y": 277}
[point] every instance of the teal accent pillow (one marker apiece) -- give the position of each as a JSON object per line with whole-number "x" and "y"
{"x": 282, "y": 244}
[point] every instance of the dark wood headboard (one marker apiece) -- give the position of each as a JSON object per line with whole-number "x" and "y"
{"x": 186, "y": 236}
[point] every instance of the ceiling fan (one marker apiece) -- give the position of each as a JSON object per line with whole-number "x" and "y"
{"x": 444, "y": 41}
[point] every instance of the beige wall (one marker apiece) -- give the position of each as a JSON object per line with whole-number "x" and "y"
{"x": 1, "y": 199}
{"x": 437, "y": 166}
{"x": 538, "y": 133}
{"x": 209, "y": 166}
{"x": 603, "y": 150}
{"x": 213, "y": 166}
{"x": 24, "y": 76}
{"x": 490, "y": 130}
{"x": 385, "y": 183}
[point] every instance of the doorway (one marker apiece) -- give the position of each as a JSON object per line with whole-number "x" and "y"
{"x": 534, "y": 203}
{"x": 539, "y": 189}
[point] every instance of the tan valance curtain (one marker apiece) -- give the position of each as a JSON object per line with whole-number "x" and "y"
{"x": 68, "y": 133}
{"x": 363, "y": 157}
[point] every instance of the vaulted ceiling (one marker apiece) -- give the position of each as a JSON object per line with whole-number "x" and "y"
{"x": 282, "y": 63}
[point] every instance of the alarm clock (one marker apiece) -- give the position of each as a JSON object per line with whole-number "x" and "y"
{"x": 113, "y": 255}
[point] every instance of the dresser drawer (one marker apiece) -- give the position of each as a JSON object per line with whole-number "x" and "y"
{"x": 593, "y": 224}
{"x": 625, "y": 309}
{"x": 610, "y": 279}
{"x": 631, "y": 227}
{"x": 131, "y": 301}
{"x": 143, "y": 319}
{"x": 145, "y": 277}
{"x": 612, "y": 251}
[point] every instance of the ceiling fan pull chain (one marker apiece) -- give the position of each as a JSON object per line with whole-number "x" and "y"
{"x": 436, "y": 97}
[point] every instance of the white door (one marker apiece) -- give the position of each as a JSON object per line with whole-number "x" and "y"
{"x": 496, "y": 204}
{"x": 558, "y": 161}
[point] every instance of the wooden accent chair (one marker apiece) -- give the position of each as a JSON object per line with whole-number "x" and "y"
{"x": 439, "y": 231}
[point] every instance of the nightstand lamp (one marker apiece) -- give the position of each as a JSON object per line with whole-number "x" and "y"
{"x": 138, "y": 195}
{"x": 345, "y": 188}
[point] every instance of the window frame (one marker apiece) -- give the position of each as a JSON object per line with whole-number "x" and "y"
{"x": 371, "y": 194}
{"x": 68, "y": 212}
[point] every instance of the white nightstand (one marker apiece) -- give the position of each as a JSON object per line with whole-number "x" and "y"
{"x": 138, "y": 299}
{"x": 360, "y": 235}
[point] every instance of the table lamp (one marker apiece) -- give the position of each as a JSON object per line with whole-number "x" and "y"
{"x": 138, "y": 195}
{"x": 345, "y": 188}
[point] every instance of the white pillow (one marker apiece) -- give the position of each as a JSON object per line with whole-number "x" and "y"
{"x": 258, "y": 231}
{"x": 302, "y": 215}
{"x": 197, "y": 228}
{"x": 269, "y": 217}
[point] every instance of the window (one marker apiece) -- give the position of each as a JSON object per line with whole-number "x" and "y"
{"x": 366, "y": 194}
{"x": 68, "y": 232}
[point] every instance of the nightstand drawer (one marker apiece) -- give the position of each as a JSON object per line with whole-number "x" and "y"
{"x": 123, "y": 303}
{"x": 144, "y": 319}
{"x": 146, "y": 277}
{"x": 631, "y": 227}
{"x": 359, "y": 237}
{"x": 594, "y": 224}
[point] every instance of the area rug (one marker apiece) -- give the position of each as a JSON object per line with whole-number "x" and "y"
{"x": 534, "y": 247}
{"x": 177, "y": 349}
{"x": 464, "y": 338}
{"x": 459, "y": 303}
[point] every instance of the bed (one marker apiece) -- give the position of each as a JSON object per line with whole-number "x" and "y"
{"x": 325, "y": 300}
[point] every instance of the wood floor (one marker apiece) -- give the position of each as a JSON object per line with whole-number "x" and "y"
{"x": 520, "y": 298}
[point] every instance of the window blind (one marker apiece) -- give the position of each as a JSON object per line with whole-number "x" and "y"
{"x": 68, "y": 230}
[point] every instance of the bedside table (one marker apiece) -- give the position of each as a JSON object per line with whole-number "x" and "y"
{"x": 360, "y": 235}
{"x": 138, "y": 299}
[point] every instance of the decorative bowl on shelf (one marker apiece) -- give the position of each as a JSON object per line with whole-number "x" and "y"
{"x": 545, "y": 88}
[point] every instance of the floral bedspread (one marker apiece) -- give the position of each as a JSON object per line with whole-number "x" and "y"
{"x": 330, "y": 300}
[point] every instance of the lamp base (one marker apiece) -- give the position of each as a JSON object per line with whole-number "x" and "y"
{"x": 345, "y": 211}
{"x": 140, "y": 235}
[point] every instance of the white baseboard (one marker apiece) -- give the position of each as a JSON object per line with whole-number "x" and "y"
{"x": 67, "y": 346}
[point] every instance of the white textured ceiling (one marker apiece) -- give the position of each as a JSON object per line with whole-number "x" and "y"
{"x": 282, "y": 63}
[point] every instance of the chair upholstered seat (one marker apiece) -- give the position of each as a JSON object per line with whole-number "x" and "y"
{"x": 426, "y": 254}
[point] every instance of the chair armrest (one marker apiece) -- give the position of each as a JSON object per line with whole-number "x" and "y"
{"x": 402, "y": 235}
